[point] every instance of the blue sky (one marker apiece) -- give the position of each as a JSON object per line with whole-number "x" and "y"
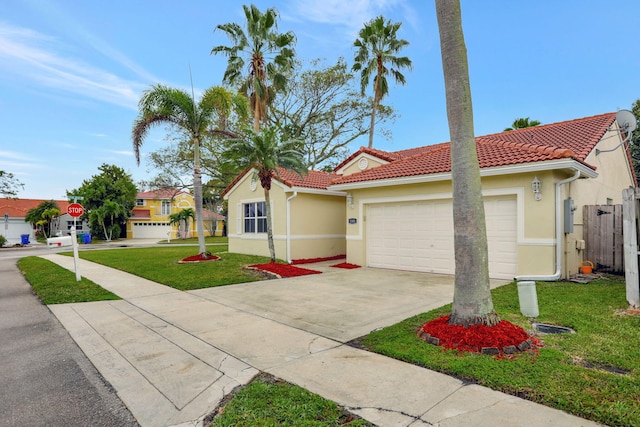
{"x": 72, "y": 71}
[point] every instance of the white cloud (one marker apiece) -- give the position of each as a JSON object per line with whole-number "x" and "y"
{"x": 29, "y": 54}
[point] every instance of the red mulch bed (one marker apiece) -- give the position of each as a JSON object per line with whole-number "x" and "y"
{"x": 283, "y": 270}
{"x": 345, "y": 265}
{"x": 198, "y": 258}
{"x": 313, "y": 260}
{"x": 503, "y": 339}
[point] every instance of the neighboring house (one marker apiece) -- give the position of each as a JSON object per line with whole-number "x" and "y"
{"x": 15, "y": 211}
{"x": 150, "y": 216}
{"x": 394, "y": 209}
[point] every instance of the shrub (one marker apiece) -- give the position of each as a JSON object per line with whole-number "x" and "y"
{"x": 3, "y": 240}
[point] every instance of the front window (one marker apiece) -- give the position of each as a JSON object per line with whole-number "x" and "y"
{"x": 139, "y": 202}
{"x": 166, "y": 207}
{"x": 255, "y": 217}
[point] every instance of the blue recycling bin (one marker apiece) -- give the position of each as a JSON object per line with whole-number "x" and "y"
{"x": 24, "y": 239}
{"x": 87, "y": 238}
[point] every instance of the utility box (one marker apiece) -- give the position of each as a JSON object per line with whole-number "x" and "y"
{"x": 56, "y": 242}
{"x": 528, "y": 299}
{"x": 568, "y": 215}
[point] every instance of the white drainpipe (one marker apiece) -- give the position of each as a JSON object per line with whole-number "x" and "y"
{"x": 293, "y": 196}
{"x": 559, "y": 233}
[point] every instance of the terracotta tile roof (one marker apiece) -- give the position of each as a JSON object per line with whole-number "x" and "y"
{"x": 163, "y": 193}
{"x": 313, "y": 179}
{"x": 138, "y": 213}
{"x": 573, "y": 139}
{"x": 18, "y": 208}
{"x": 209, "y": 215}
{"x": 381, "y": 154}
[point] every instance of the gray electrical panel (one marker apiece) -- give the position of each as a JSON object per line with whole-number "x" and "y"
{"x": 568, "y": 215}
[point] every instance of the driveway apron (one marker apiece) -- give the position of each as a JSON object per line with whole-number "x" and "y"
{"x": 174, "y": 355}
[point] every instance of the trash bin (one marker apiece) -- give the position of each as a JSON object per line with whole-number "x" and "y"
{"x": 80, "y": 238}
{"x": 87, "y": 238}
{"x": 24, "y": 239}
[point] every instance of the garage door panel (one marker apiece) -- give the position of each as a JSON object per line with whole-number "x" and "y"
{"x": 419, "y": 236}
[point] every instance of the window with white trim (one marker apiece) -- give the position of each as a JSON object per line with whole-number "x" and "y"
{"x": 139, "y": 202}
{"x": 166, "y": 207}
{"x": 255, "y": 217}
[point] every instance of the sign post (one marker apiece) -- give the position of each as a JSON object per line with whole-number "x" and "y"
{"x": 75, "y": 210}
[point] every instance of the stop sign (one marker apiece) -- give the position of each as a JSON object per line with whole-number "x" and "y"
{"x": 75, "y": 210}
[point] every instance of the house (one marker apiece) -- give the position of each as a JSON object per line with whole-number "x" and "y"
{"x": 394, "y": 209}
{"x": 14, "y": 212}
{"x": 150, "y": 216}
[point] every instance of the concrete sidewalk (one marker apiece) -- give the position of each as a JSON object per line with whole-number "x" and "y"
{"x": 172, "y": 355}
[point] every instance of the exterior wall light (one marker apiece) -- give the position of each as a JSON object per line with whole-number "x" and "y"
{"x": 535, "y": 186}
{"x": 350, "y": 200}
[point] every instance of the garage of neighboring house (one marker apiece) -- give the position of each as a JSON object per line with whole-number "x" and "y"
{"x": 418, "y": 236}
{"x": 150, "y": 230}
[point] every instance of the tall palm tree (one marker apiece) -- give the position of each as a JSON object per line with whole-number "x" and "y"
{"x": 472, "y": 303}
{"x": 175, "y": 107}
{"x": 265, "y": 153}
{"x": 378, "y": 46}
{"x": 109, "y": 210}
{"x": 260, "y": 42}
{"x": 522, "y": 123}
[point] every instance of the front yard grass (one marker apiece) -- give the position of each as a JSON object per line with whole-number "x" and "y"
{"x": 160, "y": 264}
{"x": 594, "y": 373}
{"x": 57, "y": 285}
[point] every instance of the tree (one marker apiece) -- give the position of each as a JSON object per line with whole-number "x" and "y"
{"x": 106, "y": 216}
{"x": 43, "y": 215}
{"x": 9, "y": 185}
{"x": 324, "y": 110}
{"x": 263, "y": 152}
{"x": 111, "y": 184}
{"x": 472, "y": 303}
{"x": 174, "y": 162}
{"x": 377, "y": 47}
{"x": 260, "y": 42}
{"x": 194, "y": 121}
{"x": 185, "y": 215}
{"x": 522, "y": 123}
{"x": 634, "y": 144}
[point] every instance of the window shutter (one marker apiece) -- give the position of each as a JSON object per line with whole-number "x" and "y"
{"x": 239, "y": 219}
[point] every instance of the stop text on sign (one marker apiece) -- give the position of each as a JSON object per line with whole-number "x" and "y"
{"x": 75, "y": 209}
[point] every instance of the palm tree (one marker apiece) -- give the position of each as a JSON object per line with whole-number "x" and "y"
{"x": 472, "y": 302}
{"x": 186, "y": 216}
{"x": 260, "y": 42}
{"x": 522, "y": 123}
{"x": 378, "y": 46}
{"x": 175, "y": 107}
{"x": 264, "y": 153}
{"x": 109, "y": 210}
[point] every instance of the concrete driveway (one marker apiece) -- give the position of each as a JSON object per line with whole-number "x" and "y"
{"x": 340, "y": 304}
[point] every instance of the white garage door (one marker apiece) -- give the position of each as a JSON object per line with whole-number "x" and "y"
{"x": 418, "y": 236}
{"x": 150, "y": 230}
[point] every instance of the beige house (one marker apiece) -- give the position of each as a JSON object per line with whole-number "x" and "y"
{"x": 394, "y": 209}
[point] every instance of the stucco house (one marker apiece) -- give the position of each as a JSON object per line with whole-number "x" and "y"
{"x": 150, "y": 216}
{"x": 14, "y": 212}
{"x": 394, "y": 209}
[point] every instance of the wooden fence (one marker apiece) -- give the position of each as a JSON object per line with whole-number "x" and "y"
{"x": 604, "y": 242}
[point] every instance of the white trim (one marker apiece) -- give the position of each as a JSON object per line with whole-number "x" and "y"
{"x": 321, "y": 191}
{"x": 318, "y": 236}
{"x": 499, "y": 170}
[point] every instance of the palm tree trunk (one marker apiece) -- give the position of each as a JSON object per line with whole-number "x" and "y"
{"x": 267, "y": 203}
{"x": 197, "y": 193}
{"x": 376, "y": 101}
{"x": 472, "y": 302}
{"x": 256, "y": 117}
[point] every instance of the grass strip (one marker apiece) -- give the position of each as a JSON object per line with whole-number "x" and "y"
{"x": 268, "y": 401}
{"x": 160, "y": 264}
{"x": 57, "y": 285}
{"x": 594, "y": 373}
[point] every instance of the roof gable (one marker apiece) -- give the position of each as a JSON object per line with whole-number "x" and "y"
{"x": 317, "y": 180}
{"x": 161, "y": 194}
{"x": 18, "y": 208}
{"x": 573, "y": 139}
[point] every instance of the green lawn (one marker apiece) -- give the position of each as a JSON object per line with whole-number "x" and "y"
{"x": 160, "y": 264}
{"x": 194, "y": 241}
{"x": 267, "y": 401}
{"x": 594, "y": 373}
{"x": 57, "y": 285}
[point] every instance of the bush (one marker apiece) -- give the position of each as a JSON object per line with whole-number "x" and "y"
{"x": 3, "y": 240}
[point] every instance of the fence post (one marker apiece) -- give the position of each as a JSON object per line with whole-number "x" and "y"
{"x": 630, "y": 246}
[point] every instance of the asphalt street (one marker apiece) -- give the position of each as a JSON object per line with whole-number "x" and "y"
{"x": 45, "y": 379}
